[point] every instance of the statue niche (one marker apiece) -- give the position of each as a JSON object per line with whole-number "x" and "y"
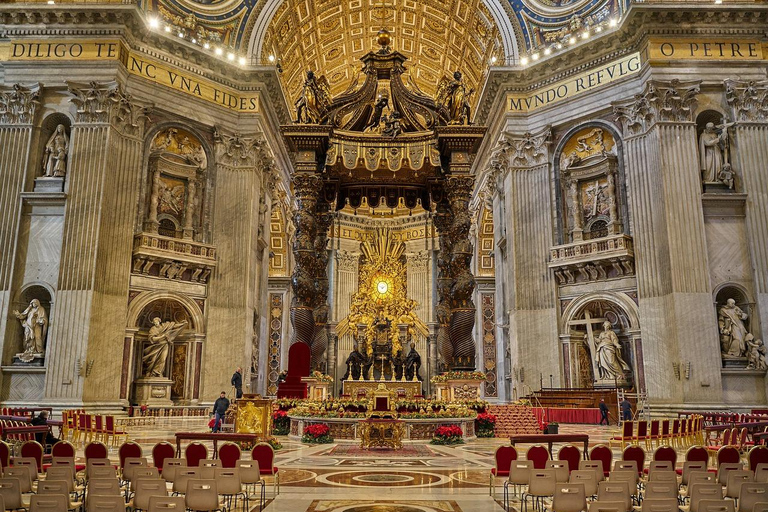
{"x": 32, "y": 314}
{"x": 738, "y": 346}
{"x": 591, "y": 197}
{"x": 717, "y": 173}
{"x": 177, "y": 168}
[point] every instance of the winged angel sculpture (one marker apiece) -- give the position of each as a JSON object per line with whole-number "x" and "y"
{"x": 314, "y": 100}
{"x": 453, "y": 95}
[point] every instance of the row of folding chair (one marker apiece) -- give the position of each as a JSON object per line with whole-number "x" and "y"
{"x": 682, "y": 432}
{"x": 82, "y": 427}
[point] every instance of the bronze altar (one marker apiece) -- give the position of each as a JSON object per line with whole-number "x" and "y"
{"x": 381, "y": 433}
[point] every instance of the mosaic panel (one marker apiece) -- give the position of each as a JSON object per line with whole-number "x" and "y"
{"x": 275, "y": 341}
{"x": 489, "y": 343}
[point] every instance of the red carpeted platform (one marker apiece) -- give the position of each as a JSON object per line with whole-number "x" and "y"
{"x": 567, "y": 415}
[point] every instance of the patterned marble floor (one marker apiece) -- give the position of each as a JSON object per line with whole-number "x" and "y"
{"x": 341, "y": 478}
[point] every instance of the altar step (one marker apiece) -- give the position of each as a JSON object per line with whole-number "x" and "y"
{"x": 514, "y": 420}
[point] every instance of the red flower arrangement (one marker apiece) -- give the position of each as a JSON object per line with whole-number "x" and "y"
{"x": 485, "y": 424}
{"x": 448, "y": 434}
{"x": 317, "y": 433}
{"x": 281, "y": 423}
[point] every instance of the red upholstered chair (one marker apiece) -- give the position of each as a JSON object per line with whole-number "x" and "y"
{"x": 665, "y": 433}
{"x": 503, "y": 458}
{"x": 5, "y": 455}
{"x": 539, "y": 455}
{"x": 160, "y": 452}
{"x": 655, "y": 435}
{"x": 666, "y": 453}
{"x": 642, "y": 433}
{"x": 757, "y": 455}
{"x": 34, "y": 450}
{"x": 571, "y": 454}
{"x": 299, "y": 356}
{"x": 194, "y": 453}
{"x": 264, "y": 454}
{"x": 603, "y": 454}
{"x": 636, "y": 454}
{"x": 96, "y": 450}
{"x": 63, "y": 449}
{"x": 696, "y": 454}
{"x": 229, "y": 454}
{"x": 129, "y": 449}
{"x": 728, "y": 454}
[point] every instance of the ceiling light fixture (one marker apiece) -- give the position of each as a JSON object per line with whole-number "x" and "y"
{"x": 167, "y": 28}
{"x": 613, "y": 22}
{"x": 181, "y": 34}
{"x": 493, "y": 60}
{"x": 572, "y": 40}
{"x": 219, "y": 51}
{"x": 153, "y": 23}
{"x": 231, "y": 56}
{"x": 206, "y": 46}
{"x": 242, "y": 61}
{"x": 271, "y": 58}
{"x": 547, "y": 51}
{"x": 535, "y": 56}
{"x": 585, "y": 34}
{"x": 524, "y": 61}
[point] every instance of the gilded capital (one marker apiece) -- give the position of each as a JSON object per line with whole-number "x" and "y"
{"x": 748, "y": 99}
{"x": 18, "y": 104}
{"x": 94, "y": 100}
{"x": 661, "y": 101}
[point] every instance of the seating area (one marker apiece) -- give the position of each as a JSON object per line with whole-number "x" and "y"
{"x": 149, "y": 482}
{"x": 564, "y": 482}
{"x": 80, "y": 427}
{"x": 680, "y": 432}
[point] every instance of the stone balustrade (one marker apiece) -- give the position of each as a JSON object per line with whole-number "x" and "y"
{"x": 172, "y": 258}
{"x": 592, "y": 260}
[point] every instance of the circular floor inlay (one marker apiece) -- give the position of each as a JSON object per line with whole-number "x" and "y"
{"x": 383, "y": 477}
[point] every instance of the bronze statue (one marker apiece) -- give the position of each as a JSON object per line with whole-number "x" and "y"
{"x": 412, "y": 364}
{"x": 453, "y": 95}
{"x": 314, "y": 99}
{"x": 355, "y": 363}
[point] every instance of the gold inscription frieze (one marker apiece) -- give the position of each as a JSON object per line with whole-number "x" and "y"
{"x": 362, "y": 235}
{"x": 584, "y": 82}
{"x": 705, "y": 49}
{"x": 136, "y": 63}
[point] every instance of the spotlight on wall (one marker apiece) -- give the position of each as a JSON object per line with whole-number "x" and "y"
{"x": 219, "y": 51}
{"x": 242, "y": 61}
{"x": 271, "y": 58}
{"x": 231, "y": 56}
{"x": 613, "y": 22}
{"x": 524, "y": 61}
{"x": 493, "y": 60}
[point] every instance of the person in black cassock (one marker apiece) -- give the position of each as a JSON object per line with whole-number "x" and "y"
{"x": 604, "y": 412}
{"x": 237, "y": 382}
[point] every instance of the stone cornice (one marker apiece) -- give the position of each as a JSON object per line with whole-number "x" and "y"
{"x": 641, "y": 21}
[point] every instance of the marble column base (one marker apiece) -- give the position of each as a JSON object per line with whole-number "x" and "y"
{"x": 152, "y": 391}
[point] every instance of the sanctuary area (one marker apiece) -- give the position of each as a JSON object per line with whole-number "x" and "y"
{"x": 380, "y": 224}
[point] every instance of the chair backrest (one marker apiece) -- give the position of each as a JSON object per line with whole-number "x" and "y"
{"x": 10, "y": 491}
{"x": 144, "y": 472}
{"x": 625, "y": 464}
{"x": 130, "y": 464}
{"x": 607, "y": 506}
{"x": 5, "y": 454}
{"x": 145, "y": 488}
{"x": 569, "y": 498}
{"x": 586, "y": 477}
{"x": 63, "y": 449}
{"x": 49, "y": 503}
{"x": 229, "y": 454}
{"x": 757, "y": 455}
{"x": 734, "y": 481}
{"x": 660, "y": 465}
{"x": 593, "y": 465}
{"x": 210, "y": 463}
{"x": 660, "y": 505}
{"x": 654, "y": 428}
{"x": 250, "y": 473}
{"x": 97, "y": 463}
{"x": 264, "y": 454}
{"x": 665, "y": 428}
{"x": 665, "y": 453}
{"x": 105, "y": 503}
{"x": 570, "y": 454}
{"x": 642, "y": 429}
{"x": 761, "y": 472}
{"x": 103, "y": 486}
{"x": 628, "y": 476}
{"x": 183, "y": 475}
{"x": 727, "y": 455}
{"x": 202, "y": 494}
{"x": 603, "y": 454}
{"x": 64, "y": 473}
{"x": 48, "y": 486}
{"x": 539, "y": 455}
{"x": 161, "y": 451}
{"x": 716, "y": 505}
{"x": 28, "y": 462}
{"x": 761, "y": 506}
{"x": 96, "y": 450}
{"x": 635, "y": 453}
{"x": 503, "y": 457}
{"x": 561, "y": 469}
{"x": 35, "y": 450}
{"x": 129, "y": 450}
{"x": 660, "y": 475}
{"x": 692, "y": 465}
{"x": 99, "y": 472}
{"x": 697, "y": 453}
{"x": 542, "y": 482}
{"x": 166, "y": 504}
{"x": 228, "y": 480}
{"x": 194, "y": 453}
{"x": 627, "y": 428}
{"x": 700, "y": 492}
{"x": 723, "y": 469}
{"x": 614, "y": 491}
{"x": 752, "y": 493}
{"x": 656, "y": 490}
{"x": 675, "y": 427}
{"x": 22, "y": 474}
{"x": 169, "y": 467}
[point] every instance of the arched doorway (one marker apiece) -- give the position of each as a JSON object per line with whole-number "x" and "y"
{"x": 600, "y": 336}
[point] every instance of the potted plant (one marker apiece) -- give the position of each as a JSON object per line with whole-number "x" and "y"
{"x": 281, "y": 423}
{"x": 448, "y": 434}
{"x": 485, "y": 424}
{"x": 551, "y": 428}
{"x": 317, "y": 433}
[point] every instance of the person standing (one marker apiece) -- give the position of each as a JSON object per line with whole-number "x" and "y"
{"x": 237, "y": 382}
{"x": 604, "y": 412}
{"x": 219, "y": 410}
{"x": 626, "y": 410}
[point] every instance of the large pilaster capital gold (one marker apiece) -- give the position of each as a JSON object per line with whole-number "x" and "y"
{"x": 748, "y": 99}
{"x": 19, "y": 103}
{"x": 671, "y": 101}
{"x": 241, "y": 151}
{"x": 94, "y": 100}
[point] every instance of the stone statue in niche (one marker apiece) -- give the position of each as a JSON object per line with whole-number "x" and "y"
{"x": 161, "y": 336}
{"x": 733, "y": 332}
{"x": 55, "y": 156}
{"x": 714, "y": 154}
{"x": 755, "y": 354}
{"x": 610, "y": 364}
{"x": 35, "y": 323}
